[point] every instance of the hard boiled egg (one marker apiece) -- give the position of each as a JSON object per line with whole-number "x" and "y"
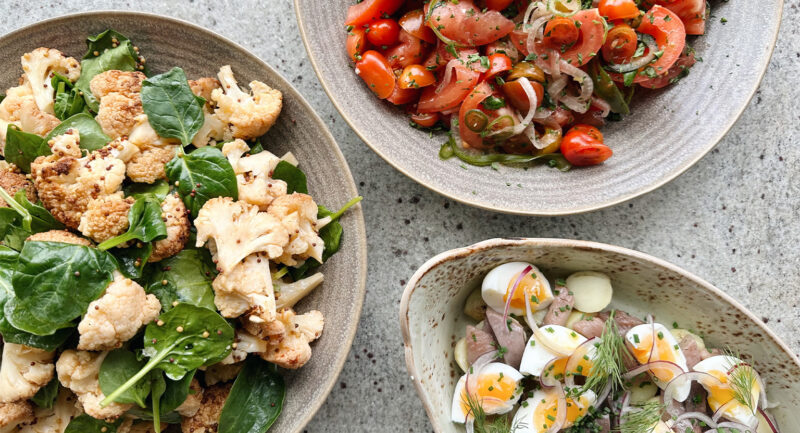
{"x": 496, "y": 388}
{"x": 654, "y": 342}
{"x": 539, "y": 353}
{"x": 534, "y": 289}
{"x": 735, "y": 377}
{"x": 540, "y": 411}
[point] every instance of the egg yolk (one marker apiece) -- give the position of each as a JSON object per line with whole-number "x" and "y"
{"x": 547, "y": 409}
{"x": 721, "y": 393}
{"x": 559, "y": 367}
{"x": 662, "y": 351}
{"x": 493, "y": 391}
{"x": 530, "y": 286}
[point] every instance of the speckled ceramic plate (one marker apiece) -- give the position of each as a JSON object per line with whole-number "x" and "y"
{"x": 667, "y": 133}
{"x": 432, "y": 318}
{"x": 167, "y": 42}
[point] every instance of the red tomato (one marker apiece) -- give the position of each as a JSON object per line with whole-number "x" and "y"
{"x": 452, "y": 94}
{"x": 402, "y": 96}
{"x": 581, "y": 146}
{"x": 682, "y": 66}
{"x": 498, "y": 63}
{"x": 592, "y": 29}
{"x": 414, "y": 77}
{"x": 409, "y": 51}
{"x": 620, "y": 44}
{"x": 498, "y": 5}
{"x": 377, "y": 73}
{"x": 618, "y": 9}
{"x": 519, "y": 40}
{"x": 383, "y": 32}
{"x": 516, "y": 95}
{"x": 425, "y": 120}
{"x": 472, "y": 102}
{"x": 465, "y": 24}
{"x": 560, "y": 33}
{"x": 691, "y": 12}
{"x": 414, "y": 23}
{"x": 442, "y": 55}
{"x": 369, "y": 10}
{"x": 356, "y": 43}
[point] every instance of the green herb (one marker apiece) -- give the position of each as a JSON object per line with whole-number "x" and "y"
{"x": 12, "y": 234}
{"x": 172, "y": 109}
{"x": 132, "y": 260}
{"x": 45, "y": 397}
{"x": 294, "y": 177}
{"x": 493, "y": 103}
{"x": 606, "y": 89}
{"x": 104, "y": 54}
{"x": 119, "y": 366}
{"x": 144, "y": 224}
{"x": 86, "y": 424}
{"x": 185, "y": 277}
{"x": 255, "y": 400}
{"x": 643, "y": 418}
{"x": 202, "y": 175}
{"x": 91, "y": 134}
{"x": 742, "y": 378}
{"x": 483, "y": 424}
{"x": 608, "y": 364}
{"x": 23, "y": 148}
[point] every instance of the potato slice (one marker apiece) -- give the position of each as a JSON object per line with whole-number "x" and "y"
{"x": 460, "y": 354}
{"x": 680, "y": 333}
{"x": 576, "y": 316}
{"x": 592, "y": 290}
{"x": 642, "y": 389}
{"x": 474, "y": 307}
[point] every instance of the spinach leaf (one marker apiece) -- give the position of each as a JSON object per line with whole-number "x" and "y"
{"x": 133, "y": 260}
{"x": 174, "y": 394}
{"x": 159, "y": 385}
{"x": 68, "y": 101}
{"x": 45, "y": 397}
{"x": 201, "y": 176}
{"x": 8, "y": 263}
{"x": 22, "y": 148}
{"x": 11, "y": 232}
{"x": 158, "y": 189}
{"x": 92, "y": 135}
{"x": 119, "y": 366}
{"x": 172, "y": 109}
{"x": 255, "y": 401}
{"x": 144, "y": 224}
{"x": 294, "y": 177}
{"x": 188, "y": 276}
{"x": 188, "y": 337}
{"x": 605, "y": 88}
{"x": 86, "y": 424}
{"x": 54, "y": 283}
{"x": 34, "y": 218}
{"x": 102, "y": 56}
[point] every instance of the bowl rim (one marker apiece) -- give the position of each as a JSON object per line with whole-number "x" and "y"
{"x": 762, "y": 69}
{"x": 356, "y": 212}
{"x": 489, "y": 244}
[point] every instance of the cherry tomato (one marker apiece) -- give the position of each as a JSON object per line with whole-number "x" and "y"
{"x": 516, "y": 95}
{"x": 356, "y": 43}
{"x": 582, "y": 147}
{"x": 409, "y": 51}
{"x": 561, "y": 33}
{"x": 467, "y": 24}
{"x": 592, "y": 29}
{"x": 414, "y": 23}
{"x": 425, "y": 120}
{"x": 620, "y": 44}
{"x": 377, "y": 73}
{"x": 414, "y": 77}
{"x": 402, "y": 96}
{"x": 463, "y": 81}
{"x": 618, "y": 9}
{"x": 498, "y": 63}
{"x": 498, "y": 5}
{"x": 383, "y": 32}
{"x": 369, "y": 10}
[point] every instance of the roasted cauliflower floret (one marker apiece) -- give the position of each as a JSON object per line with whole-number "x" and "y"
{"x": 105, "y": 218}
{"x": 66, "y": 183}
{"x": 116, "y": 316}
{"x": 234, "y": 230}
{"x": 155, "y": 152}
{"x": 298, "y": 213}
{"x": 123, "y": 82}
{"x": 55, "y": 419}
{"x": 222, "y": 372}
{"x": 288, "y": 294}
{"x": 23, "y": 371}
{"x": 79, "y": 371}
{"x": 244, "y": 344}
{"x": 213, "y": 128}
{"x": 247, "y": 287}
{"x": 253, "y": 174}
{"x": 176, "y": 219}
{"x": 249, "y": 115}
{"x": 288, "y": 337}
{"x": 13, "y": 181}
{"x": 64, "y": 236}
{"x": 206, "y": 419}
{"x": 120, "y": 101}
{"x": 193, "y": 401}
{"x": 40, "y": 65}
{"x": 14, "y": 414}
{"x": 19, "y": 107}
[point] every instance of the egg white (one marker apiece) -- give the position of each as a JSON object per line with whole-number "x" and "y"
{"x": 523, "y": 419}
{"x": 662, "y": 333}
{"x": 536, "y": 356}
{"x": 457, "y": 413}
{"x": 500, "y": 279}
{"x": 736, "y": 412}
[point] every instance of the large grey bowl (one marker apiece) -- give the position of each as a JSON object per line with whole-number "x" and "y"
{"x": 432, "y": 318}
{"x": 667, "y": 133}
{"x": 167, "y": 42}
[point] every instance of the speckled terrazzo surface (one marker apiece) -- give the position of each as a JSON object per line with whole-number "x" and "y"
{"x": 730, "y": 219}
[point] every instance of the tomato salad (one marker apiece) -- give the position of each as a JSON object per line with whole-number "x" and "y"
{"x": 518, "y": 81}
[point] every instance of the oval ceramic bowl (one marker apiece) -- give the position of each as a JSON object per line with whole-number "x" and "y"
{"x": 432, "y": 318}
{"x": 666, "y": 134}
{"x": 167, "y": 42}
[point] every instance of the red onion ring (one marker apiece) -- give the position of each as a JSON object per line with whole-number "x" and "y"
{"x": 523, "y": 125}
{"x": 720, "y": 412}
{"x": 561, "y": 408}
{"x": 602, "y": 104}
{"x": 513, "y": 290}
{"x": 770, "y": 423}
{"x": 574, "y": 360}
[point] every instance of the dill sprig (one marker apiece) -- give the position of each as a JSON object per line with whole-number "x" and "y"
{"x": 643, "y": 418}
{"x": 482, "y": 423}
{"x": 741, "y": 379}
{"x": 608, "y": 363}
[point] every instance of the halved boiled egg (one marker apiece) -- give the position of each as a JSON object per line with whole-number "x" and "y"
{"x": 534, "y": 289}
{"x": 735, "y": 378}
{"x": 550, "y": 342}
{"x": 496, "y": 387}
{"x": 540, "y": 411}
{"x": 654, "y": 342}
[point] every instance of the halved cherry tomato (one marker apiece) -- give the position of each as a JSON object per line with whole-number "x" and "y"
{"x": 561, "y": 33}
{"x": 409, "y": 51}
{"x": 618, "y": 9}
{"x": 463, "y": 81}
{"x": 516, "y": 95}
{"x": 425, "y": 120}
{"x": 356, "y": 43}
{"x": 414, "y": 23}
{"x": 402, "y": 96}
{"x": 620, "y": 44}
{"x": 691, "y": 12}
{"x": 592, "y": 29}
{"x": 414, "y": 77}
{"x": 581, "y": 146}
{"x": 383, "y": 32}
{"x": 375, "y": 70}
{"x": 369, "y": 10}
{"x": 498, "y": 5}
{"x": 465, "y": 24}
{"x": 498, "y": 63}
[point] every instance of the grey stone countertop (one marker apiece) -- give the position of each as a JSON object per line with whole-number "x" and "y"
{"x": 731, "y": 219}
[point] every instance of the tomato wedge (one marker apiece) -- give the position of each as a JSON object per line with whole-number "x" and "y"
{"x": 686, "y": 61}
{"x": 414, "y": 23}
{"x": 375, "y": 70}
{"x": 465, "y": 24}
{"x": 408, "y": 51}
{"x": 472, "y": 102}
{"x": 452, "y": 94}
{"x": 691, "y": 12}
{"x": 356, "y": 43}
{"x": 401, "y": 96}
{"x": 368, "y": 10}
{"x": 442, "y": 55}
{"x": 425, "y": 120}
{"x": 592, "y": 29}
{"x": 498, "y": 63}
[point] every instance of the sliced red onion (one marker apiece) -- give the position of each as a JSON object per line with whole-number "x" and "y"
{"x": 675, "y": 368}
{"x": 561, "y": 408}
{"x": 602, "y": 104}
{"x": 625, "y": 403}
{"x": 513, "y": 290}
{"x": 653, "y": 336}
{"x": 470, "y": 424}
{"x": 720, "y": 412}
{"x": 743, "y": 428}
{"x": 535, "y": 10}
{"x": 639, "y": 62}
{"x": 696, "y": 415}
{"x": 575, "y": 358}
{"x": 602, "y": 396}
{"x": 580, "y": 103}
{"x": 448, "y": 75}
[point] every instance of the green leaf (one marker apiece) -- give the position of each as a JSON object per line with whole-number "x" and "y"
{"x": 450, "y": 149}
{"x": 172, "y": 109}
{"x": 68, "y": 101}
{"x": 11, "y": 231}
{"x": 54, "y": 283}
{"x": 202, "y": 175}
{"x": 22, "y": 148}
{"x": 119, "y": 366}
{"x": 144, "y": 224}
{"x": 294, "y": 177}
{"x": 122, "y": 58}
{"x": 159, "y": 385}
{"x": 255, "y": 401}
{"x": 158, "y": 189}
{"x": 86, "y": 424}
{"x": 174, "y": 394}
{"x": 45, "y": 397}
{"x": 91, "y": 134}
{"x": 188, "y": 276}
{"x": 133, "y": 260}
{"x": 34, "y": 218}
{"x": 605, "y": 88}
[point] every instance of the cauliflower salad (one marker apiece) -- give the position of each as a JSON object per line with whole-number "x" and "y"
{"x": 152, "y": 251}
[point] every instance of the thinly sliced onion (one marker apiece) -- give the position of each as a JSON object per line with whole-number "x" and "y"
{"x": 561, "y": 408}
{"x": 696, "y": 415}
{"x": 531, "y": 12}
{"x": 546, "y": 379}
{"x": 556, "y": 86}
{"x": 553, "y": 7}
{"x": 639, "y": 62}
{"x": 513, "y": 290}
{"x": 625, "y": 404}
{"x": 743, "y": 428}
{"x": 692, "y": 376}
{"x": 520, "y": 127}
{"x": 470, "y": 424}
{"x": 448, "y": 75}
{"x": 542, "y": 339}
{"x": 602, "y": 104}
{"x": 575, "y": 359}
{"x": 720, "y": 412}
{"x": 579, "y": 104}
{"x": 675, "y": 368}
{"x": 713, "y": 424}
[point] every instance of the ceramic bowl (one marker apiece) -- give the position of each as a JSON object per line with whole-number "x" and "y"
{"x": 432, "y": 318}
{"x": 167, "y": 42}
{"x": 667, "y": 132}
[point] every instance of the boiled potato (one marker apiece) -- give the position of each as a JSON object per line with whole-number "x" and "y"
{"x": 592, "y": 290}
{"x": 474, "y": 307}
{"x": 642, "y": 390}
{"x": 460, "y": 354}
{"x": 679, "y": 334}
{"x": 576, "y": 316}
